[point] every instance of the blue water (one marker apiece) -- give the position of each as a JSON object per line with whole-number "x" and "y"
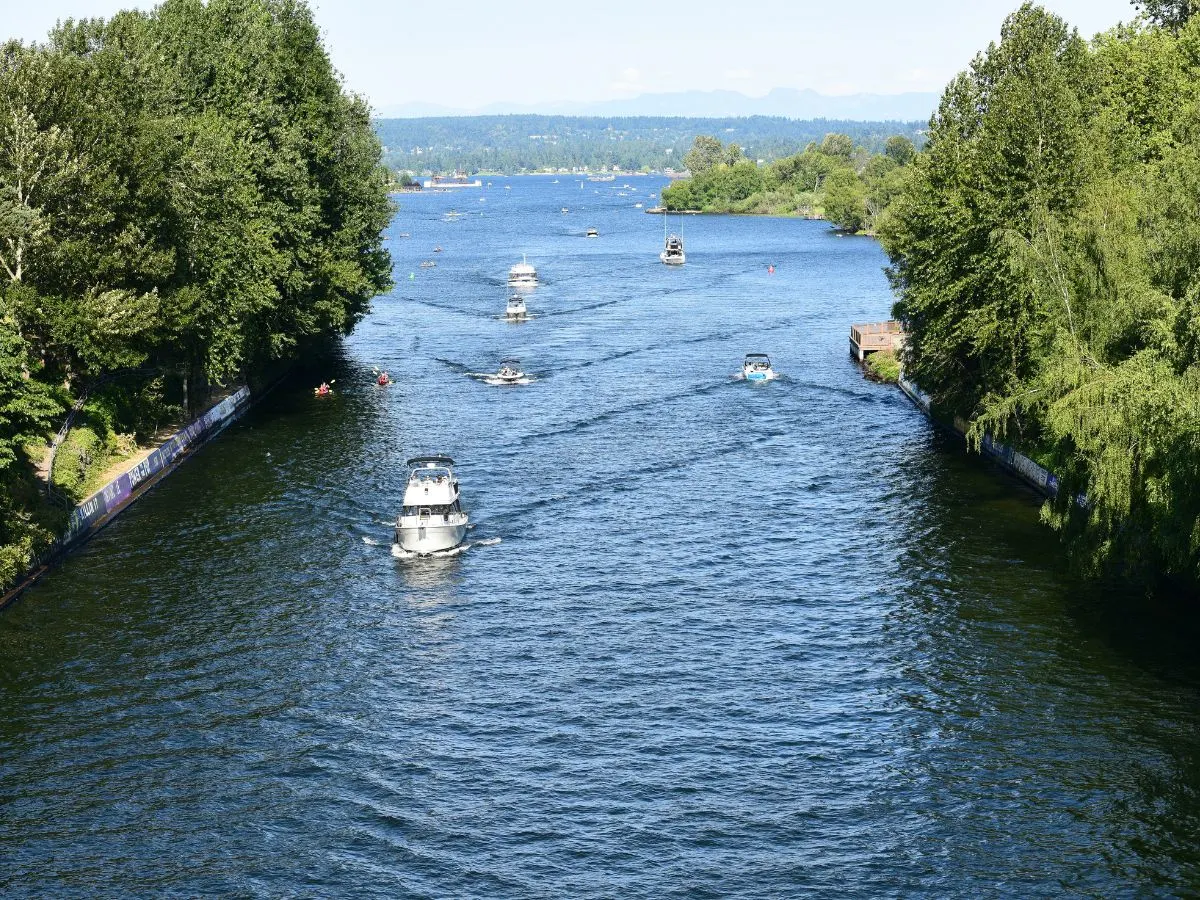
{"x": 711, "y": 638}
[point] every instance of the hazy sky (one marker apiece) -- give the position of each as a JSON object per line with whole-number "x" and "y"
{"x": 478, "y": 52}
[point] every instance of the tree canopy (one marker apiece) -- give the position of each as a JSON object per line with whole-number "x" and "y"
{"x": 836, "y": 179}
{"x": 1045, "y": 249}
{"x": 188, "y": 190}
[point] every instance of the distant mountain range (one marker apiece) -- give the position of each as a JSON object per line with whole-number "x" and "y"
{"x": 786, "y": 102}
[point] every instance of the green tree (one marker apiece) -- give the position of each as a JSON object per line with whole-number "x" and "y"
{"x": 838, "y": 145}
{"x": 706, "y": 153}
{"x": 900, "y": 150}
{"x": 845, "y": 200}
{"x": 1172, "y": 14}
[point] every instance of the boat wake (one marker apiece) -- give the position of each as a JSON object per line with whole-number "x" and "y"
{"x": 492, "y": 379}
{"x": 400, "y": 553}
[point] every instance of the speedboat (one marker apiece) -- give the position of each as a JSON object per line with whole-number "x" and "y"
{"x": 565, "y": 210}
{"x": 672, "y": 253}
{"x": 432, "y": 519}
{"x": 757, "y": 367}
{"x": 593, "y": 232}
{"x": 428, "y": 264}
{"x": 516, "y": 308}
{"x": 510, "y": 371}
{"x": 522, "y": 275}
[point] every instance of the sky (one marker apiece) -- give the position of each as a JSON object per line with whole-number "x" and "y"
{"x": 547, "y": 51}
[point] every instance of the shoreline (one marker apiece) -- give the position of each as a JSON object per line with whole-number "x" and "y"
{"x": 140, "y": 474}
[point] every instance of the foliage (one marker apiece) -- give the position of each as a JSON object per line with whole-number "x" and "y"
{"x": 883, "y": 365}
{"x": 845, "y": 183}
{"x": 1045, "y": 248}
{"x": 706, "y": 154}
{"x": 1169, "y": 13}
{"x": 845, "y": 200}
{"x": 187, "y": 191}
{"x": 528, "y": 143}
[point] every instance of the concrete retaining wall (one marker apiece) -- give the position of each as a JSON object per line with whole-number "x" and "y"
{"x": 119, "y": 494}
{"x": 1041, "y": 480}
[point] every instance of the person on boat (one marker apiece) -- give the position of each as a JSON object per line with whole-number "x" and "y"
{"x": 383, "y": 380}
{"x": 324, "y": 390}
{"x": 770, "y": 270}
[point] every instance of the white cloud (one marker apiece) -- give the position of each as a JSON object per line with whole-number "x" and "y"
{"x": 739, "y": 74}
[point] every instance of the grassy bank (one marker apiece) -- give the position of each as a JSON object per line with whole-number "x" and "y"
{"x": 882, "y": 366}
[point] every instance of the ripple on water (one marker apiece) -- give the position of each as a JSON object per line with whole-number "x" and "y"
{"x": 710, "y": 640}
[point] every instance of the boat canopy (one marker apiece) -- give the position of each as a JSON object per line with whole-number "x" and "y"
{"x": 435, "y": 459}
{"x": 510, "y": 361}
{"x": 757, "y": 356}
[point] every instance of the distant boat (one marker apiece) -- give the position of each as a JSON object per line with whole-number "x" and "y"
{"x": 637, "y": 206}
{"x": 565, "y": 210}
{"x": 522, "y": 275}
{"x": 672, "y": 253}
{"x": 757, "y": 367}
{"x": 428, "y": 264}
{"x": 510, "y": 371}
{"x": 447, "y": 182}
{"x": 516, "y": 309}
{"x": 593, "y": 232}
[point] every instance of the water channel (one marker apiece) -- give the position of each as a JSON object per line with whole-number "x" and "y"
{"x": 711, "y": 638}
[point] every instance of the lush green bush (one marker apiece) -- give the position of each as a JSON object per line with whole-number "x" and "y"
{"x": 883, "y": 366}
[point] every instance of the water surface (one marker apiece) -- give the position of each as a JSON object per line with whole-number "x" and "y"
{"x": 711, "y": 639}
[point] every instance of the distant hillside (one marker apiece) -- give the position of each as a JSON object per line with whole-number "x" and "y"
{"x": 786, "y": 102}
{"x": 530, "y": 143}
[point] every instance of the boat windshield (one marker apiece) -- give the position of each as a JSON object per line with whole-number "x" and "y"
{"x": 431, "y": 475}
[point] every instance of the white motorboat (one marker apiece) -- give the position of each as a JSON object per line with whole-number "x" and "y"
{"x": 672, "y": 253}
{"x": 593, "y": 232}
{"x": 757, "y": 367}
{"x": 516, "y": 310}
{"x": 510, "y": 371}
{"x": 432, "y": 519}
{"x": 522, "y": 275}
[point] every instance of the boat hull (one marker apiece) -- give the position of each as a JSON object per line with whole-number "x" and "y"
{"x": 424, "y": 539}
{"x": 672, "y": 260}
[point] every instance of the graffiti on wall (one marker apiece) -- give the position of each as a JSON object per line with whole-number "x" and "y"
{"x": 114, "y": 495}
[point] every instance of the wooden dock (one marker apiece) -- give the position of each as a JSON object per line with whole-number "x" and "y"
{"x": 875, "y": 336}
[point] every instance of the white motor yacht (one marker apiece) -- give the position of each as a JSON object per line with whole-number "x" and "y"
{"x": 515, "y": 311}
{"x": 432, "y": 519}
{"x": 522, "y": 275}
{"x": 510, "y": 371}
{"x": 757, "y": 367}
{"x": 593, "y": 232}
{"x": 672, "y": 253}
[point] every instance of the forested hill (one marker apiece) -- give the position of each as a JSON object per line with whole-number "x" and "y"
{"x": 524, "y": 143}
